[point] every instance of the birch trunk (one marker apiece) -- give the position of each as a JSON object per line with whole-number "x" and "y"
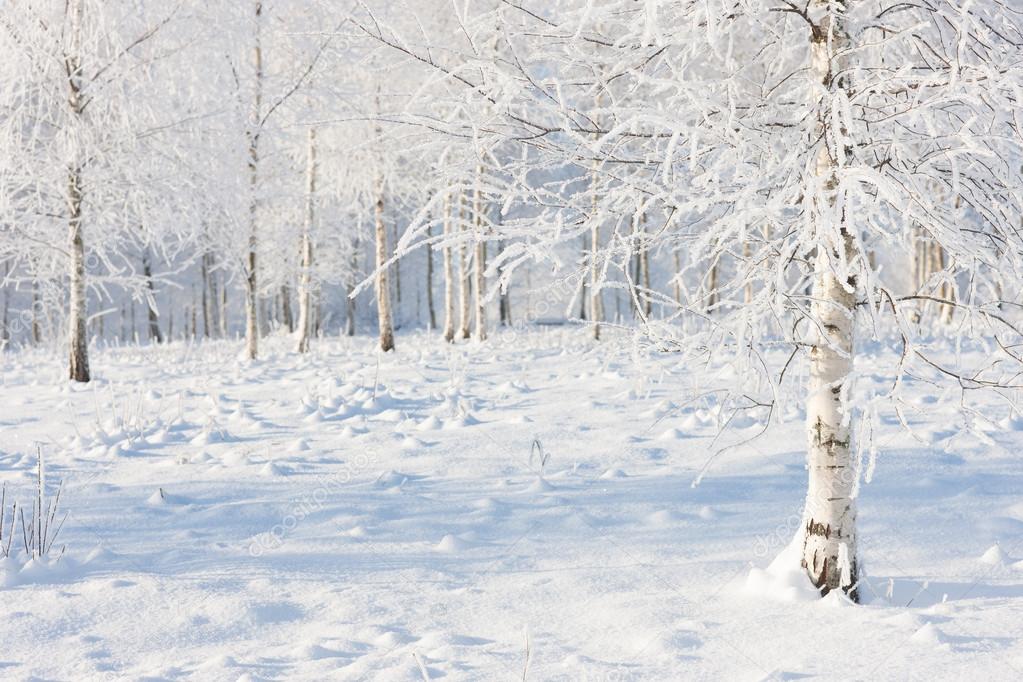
{"x": 154, "y": 317}
{"x": 595, "y": 303}
{"x": 397, "y": 275}
{"x": 77, "y": 311}
{"x": 465, "y": 284}
{"x": 305, "y": 276}
{"x": 207, "y": 312}
{"x": 747, "y": 290}
{"x": 480, "y": 260}
{"x": 712, "y": 298}
{"x": 480, "y": 292}
{"x": 504, "y": 304}
{"x": 287, "y": 317}
{"x": 383, "y": 292}
{"x": 677, "y": 281}
{"x": 37, "y": 336}
{"x": 223, "y": 310}
{"x": 350, "y": 309}
{"x": 5, "y": 334}
{"x": 251, "y": 279}
{"x": 829, "y": 534}
{"x": 431, "y": 310}
{"x": 582, "y": 279}
{"x": 644, "y": 257}
{"x": 79, "y": 348}
{"x": 449, "y": 275}
{"x": 214, "y": 297}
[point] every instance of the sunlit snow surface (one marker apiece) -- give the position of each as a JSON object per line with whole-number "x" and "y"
{"x": 360, "y": 517}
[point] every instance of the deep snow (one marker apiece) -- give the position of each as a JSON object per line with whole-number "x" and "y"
{"x": 354, "y": 516}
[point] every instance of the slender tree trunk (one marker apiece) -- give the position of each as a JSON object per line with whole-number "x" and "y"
{"x": 747, "y": 291}
{"x": 287, "y": 318}
{"x": 350, "y": 309}
{"x": 829, "y": 540}
{"x": 305, "y": 276}
{"x": 644, "y": 257}
{"x": 79, "y": 355}
{"x": 36, "y": 305}
{"x": 5, "y": 335}
{"x": 582, "y": 280}
{"x": 465, "y": 285}
{"x": 383, "y": 292}
{"x": 504, "y": 302}
{"x": 397, "y": 278}
{"x": 431, "y": 310}
{"x": 205, "y": 288}
{"x": 712, "y": 298}
{"x": 449, "y": 274}
{"x": 251, "y": 278}
{"x": 154, "y": 317}
{"x": 480, "y": 259}
{"x": 214, "y": 294}
{"x": 677, "y": 281}
{"x": 480, "y": 290}
{"x": 947, "y": 291}
{"x": 223, "y": 310}
{"x": 318, "y": 320}
{"x": 636, "y": 265}
{"x": 596, "y": 309}
{"x": 78, "y": 307}
{"x": 195, "y": 314}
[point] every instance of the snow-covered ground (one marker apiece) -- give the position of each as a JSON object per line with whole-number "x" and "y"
{"x": 353, "y": 516}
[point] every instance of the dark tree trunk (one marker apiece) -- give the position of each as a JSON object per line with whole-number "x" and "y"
{"x": 154, "y": 320}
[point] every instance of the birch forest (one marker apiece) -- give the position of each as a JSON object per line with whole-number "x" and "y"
{"x": 511, "y": 340}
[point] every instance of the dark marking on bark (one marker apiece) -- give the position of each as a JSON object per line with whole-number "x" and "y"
{"x": 814, "y": 528}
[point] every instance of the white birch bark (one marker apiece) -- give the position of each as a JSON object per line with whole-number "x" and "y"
{"x": 77, "y": 310}
{"x": 305, "y": 276}
{"x": 251, "y": 277}
{"x": 383, "y": 291}
{"x": 465, "y": 283}
{"x": 829, "y": 538}
{"x": 480, "y": 260}
{"x": 430, "y": 308}
{"x": 449, "y": 275}
{"x": 350, "y": 309}
{"x": 152, "y": 314}
{"x": 596, "y": 312}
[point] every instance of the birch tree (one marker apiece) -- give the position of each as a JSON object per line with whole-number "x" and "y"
{"x": 810, "y": 133}
{"x": 80, "y": 120}
{"x": 305, "y": 275}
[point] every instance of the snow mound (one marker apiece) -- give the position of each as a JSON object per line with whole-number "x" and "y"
{"x": 391, "y": 479}
{"x": 663, "y": 517}
{"x": 271, "y": 469}
{"x": 929, "y": 635}
{"x": 349, "y": 432}
{"x": 450, "y": 544}
{"x": 429, "y": 424}
{"x": 300, "y": 445}
{"x": 672, "y": 434}
{"x": 1012, "y": 423}
{"x": 783, "y": 580}
{"x": 707, "y": 513}
{"x": 412, "y": 443}
{"x": 995, "y": 556}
